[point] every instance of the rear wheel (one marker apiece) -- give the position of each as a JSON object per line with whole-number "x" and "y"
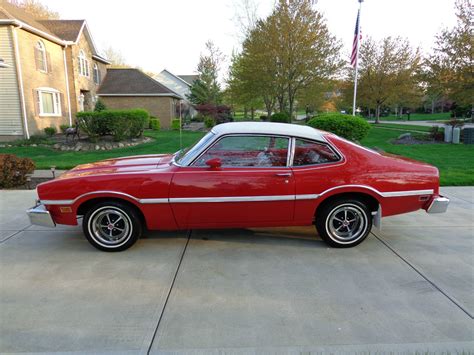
{"x": 343, "y": 223}
{"x": 112, "y": 226}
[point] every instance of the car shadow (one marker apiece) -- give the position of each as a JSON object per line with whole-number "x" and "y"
{"x": 287, "y": 236}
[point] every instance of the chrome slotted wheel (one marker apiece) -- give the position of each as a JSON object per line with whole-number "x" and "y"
{"x": 110, "y": 226}
{"x": 346, "y": 223}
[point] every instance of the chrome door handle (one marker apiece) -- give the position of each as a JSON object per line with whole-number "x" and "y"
{"x": 283, "y": 174}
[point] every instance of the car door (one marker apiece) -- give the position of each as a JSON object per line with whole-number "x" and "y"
{"x": 252, "y": 187}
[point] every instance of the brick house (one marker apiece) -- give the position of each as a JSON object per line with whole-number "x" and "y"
{"x": 52, "y": 69}
{"x": 127, "y": 88}
{"x": 181, "y": 84}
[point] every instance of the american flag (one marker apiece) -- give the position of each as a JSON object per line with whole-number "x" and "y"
{"x": 355, "y": 42}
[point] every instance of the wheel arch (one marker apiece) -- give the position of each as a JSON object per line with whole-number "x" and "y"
{"x": 85, "y": 205}
{"x": 368, "y": 199}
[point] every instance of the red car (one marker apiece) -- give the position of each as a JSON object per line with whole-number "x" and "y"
{"x": 241, "y": 175}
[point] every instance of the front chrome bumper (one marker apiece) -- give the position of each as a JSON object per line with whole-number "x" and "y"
{"x": 438, "y": 205}
{"x": 40, "y": 216}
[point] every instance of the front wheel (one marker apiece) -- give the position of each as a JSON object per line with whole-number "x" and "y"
{"x": 112, "y": 226}
{"x": 344, "y": 223}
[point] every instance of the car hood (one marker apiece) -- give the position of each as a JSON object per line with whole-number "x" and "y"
{"x": 137, "y": 163}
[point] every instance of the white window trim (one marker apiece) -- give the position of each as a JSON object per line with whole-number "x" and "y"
{"x": 56, "y": 102}
{"x": 42, "y": 49}
{"x": 96, "y": 74}
{"x": 84, "y": 67}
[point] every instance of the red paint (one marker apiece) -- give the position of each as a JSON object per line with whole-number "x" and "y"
{"x": 154, "y": 177}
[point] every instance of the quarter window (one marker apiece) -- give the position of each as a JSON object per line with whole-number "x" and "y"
{"x": 83, "y": 64}
{"x": 40, "y": 56}
{"x": 312, "y": 153}
{"x": 248, "y": 151}
{"x": 49, "y": 102}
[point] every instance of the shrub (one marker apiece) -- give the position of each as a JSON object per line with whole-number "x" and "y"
{"x": 209, "y": 122}
{"x": 175, "y": 124}
{"x": 99, "y": 106}
{"x": 280, "y": 117}
{"x": 64, "y": 127}
{"x": 118, "y": 123}
{"x": 436, "y": 133}
{"x": 263, "y": 118}
{"x": 155, "y": 123}
{"x": 50, "y": 131}
{"x": 220, "y": 113}
{"x": 349, "y": 127}
{"x": 13, "y": 170}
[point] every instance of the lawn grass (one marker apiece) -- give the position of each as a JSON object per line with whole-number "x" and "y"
{"x": 45, "y": 157}
{"x": 402, "y": 127}
{"x": 454, "y": 161}
{"x": 441, "y": 116}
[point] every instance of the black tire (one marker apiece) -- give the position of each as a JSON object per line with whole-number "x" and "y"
{"x": 344, "y": 223}
{"x": 123, "y": 227}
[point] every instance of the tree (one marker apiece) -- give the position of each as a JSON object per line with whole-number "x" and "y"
{"x": 206, "y": 89}
{"x": 35, "y": 9}
{"x": 450, "y": 67}
{"x": 388, "y": 72}
{"x": 115, "y": 57}
{"x": 287, "y": 53}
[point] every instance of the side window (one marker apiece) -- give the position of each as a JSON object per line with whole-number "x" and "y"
{"x": 312, "y": 153}
{"x": 248, "y": 151}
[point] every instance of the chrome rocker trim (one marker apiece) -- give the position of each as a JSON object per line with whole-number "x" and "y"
{"x": 438, "y": 205}
{"x": 240, "y": 198}
{"x": 40, "y": 216}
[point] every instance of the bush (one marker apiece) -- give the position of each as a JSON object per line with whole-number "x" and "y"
{"x": 175, "y": 124}
{"x": 120, "y": 124}
{"x": 50, "y": 131}
{"x": 220, "y": 113}
{"x": 209, "y": 122}
{"x": 13, "y": 170}
{"x": 349, "y": 127}
{"x": 155, "y": 123}
{"x": 263, "y": 118}
{"x": 280, "y": 117}
{"x": 64, "y": 127}
{"x": 99, "y": 106}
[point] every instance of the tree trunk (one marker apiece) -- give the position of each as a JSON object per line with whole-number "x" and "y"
{"x": 252, "y": 113}
{"x": 245, "y": 112}
{"x": 291, "y": 103}
{"x": 377, "y": 114}
{"x": 432, "y": 106}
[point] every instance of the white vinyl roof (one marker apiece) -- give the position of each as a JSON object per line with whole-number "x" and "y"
{"x": 284, "y": 129}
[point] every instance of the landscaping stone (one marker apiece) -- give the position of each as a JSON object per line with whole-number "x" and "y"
{"x": 404, "y": 136}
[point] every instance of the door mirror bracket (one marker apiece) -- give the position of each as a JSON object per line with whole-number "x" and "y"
{"x": 214, "y": 163}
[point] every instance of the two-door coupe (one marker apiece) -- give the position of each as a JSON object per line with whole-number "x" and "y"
{"x": 241, "y": 175}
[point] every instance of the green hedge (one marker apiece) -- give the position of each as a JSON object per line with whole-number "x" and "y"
{"x": 280, "y": 117}
{"x": 155, "y": 123}
{"x": 175, "y": 124}
{"x": 209, "y": 122}
{"x": 349, "y": 127}
{"x": 121, "y": 124}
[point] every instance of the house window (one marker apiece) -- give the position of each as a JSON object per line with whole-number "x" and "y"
{"x": 40, "y": 56}
{"x": 96, "y": 74}
{"x": 49, "y": 102}
{"x": 83, "y": 64}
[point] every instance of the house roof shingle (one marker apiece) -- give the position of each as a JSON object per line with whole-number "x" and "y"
{"x": 11, "y": 12}
{"x": 67, "y": 30}
{"x": 130, "y": 81}
{"x": 189, "y": 78}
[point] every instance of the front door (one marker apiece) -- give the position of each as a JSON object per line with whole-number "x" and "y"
{"x": 252, "y": 187}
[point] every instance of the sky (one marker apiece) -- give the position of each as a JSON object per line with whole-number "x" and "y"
{"x": 159, "y": 34}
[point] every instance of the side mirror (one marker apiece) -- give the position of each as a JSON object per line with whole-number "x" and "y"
{"x": 214, "y": 163}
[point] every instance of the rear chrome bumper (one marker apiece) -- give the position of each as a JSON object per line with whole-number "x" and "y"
{"x": 40, "y": 216}
{"x": 438, "y": 205}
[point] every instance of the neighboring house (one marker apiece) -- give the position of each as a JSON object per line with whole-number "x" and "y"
{"x": 180, "y": 84}
{"x": 53, "y": 70}
{"x": 128, "y": 88}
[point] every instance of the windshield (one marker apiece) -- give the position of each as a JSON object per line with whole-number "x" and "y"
{"x": 186, "y": 155}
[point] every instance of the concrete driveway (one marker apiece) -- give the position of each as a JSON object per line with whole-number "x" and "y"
{"x": 408, "y": 288}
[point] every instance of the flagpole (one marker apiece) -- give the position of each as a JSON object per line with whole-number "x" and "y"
{"x": 357, "y": 62}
